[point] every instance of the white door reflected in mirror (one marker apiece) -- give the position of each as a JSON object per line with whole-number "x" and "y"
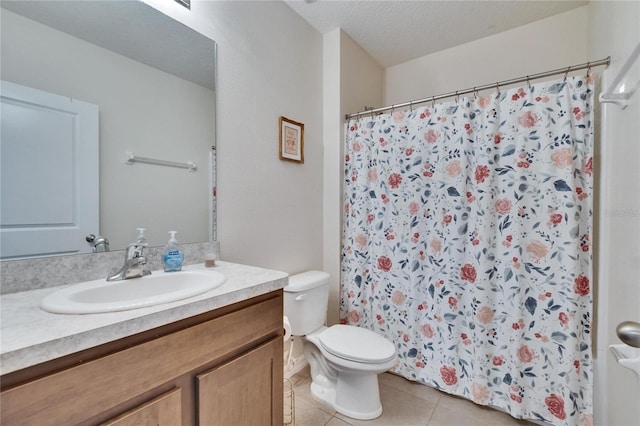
{"x": 49, "y": 173}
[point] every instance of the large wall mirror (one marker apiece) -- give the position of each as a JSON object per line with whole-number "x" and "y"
{"x": 150, "y": 82}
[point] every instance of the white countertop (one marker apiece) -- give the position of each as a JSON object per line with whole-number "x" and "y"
{"x": 30, "y": 336}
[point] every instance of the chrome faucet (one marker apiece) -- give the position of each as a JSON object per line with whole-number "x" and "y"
{"x": 134, "y": 262}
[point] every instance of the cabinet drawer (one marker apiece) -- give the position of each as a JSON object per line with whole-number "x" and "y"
{"x": 79, "y": 393}
{"x": 165, "y": 410}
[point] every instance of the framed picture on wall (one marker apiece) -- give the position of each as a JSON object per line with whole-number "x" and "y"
{"x": 291, "y": 140}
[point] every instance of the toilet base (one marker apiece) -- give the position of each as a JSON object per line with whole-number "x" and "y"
{"x": 354, "y": 395}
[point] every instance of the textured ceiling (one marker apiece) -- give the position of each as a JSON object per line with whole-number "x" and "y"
{"x": 396, "y": 31}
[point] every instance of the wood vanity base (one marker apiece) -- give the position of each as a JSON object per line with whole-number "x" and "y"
{"x": 223, "y": 367}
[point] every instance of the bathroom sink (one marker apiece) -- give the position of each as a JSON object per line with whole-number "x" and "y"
{"x": 98, "y": 296}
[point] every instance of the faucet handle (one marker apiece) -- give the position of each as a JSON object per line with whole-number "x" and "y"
{"x": 134, "y": 260}
{"x": 135, "y": 250}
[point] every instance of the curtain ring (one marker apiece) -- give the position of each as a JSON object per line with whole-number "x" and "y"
{"x": 475, "y": 93}
{"x": 498, "y": 88}
{"x": 528, "y": 82}
{"x": 410, "y": 106}
{"x": 588, "y": 69}
{"x": 457, "y": 97}
{"x": 566, "y": 73}
{"x": 433, "y": 102}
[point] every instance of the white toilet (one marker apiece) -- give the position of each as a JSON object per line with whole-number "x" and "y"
{"x": 345, "y": 360}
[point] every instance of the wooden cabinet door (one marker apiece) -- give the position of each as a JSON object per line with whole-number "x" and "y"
{"x": 165, "y": 410}
{"x": 244, "y": 391}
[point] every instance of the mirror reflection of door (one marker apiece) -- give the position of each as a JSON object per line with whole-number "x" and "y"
{"x": 48, "y": 174}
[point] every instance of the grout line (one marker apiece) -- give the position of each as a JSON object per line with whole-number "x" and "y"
{"x": 434, "y": 411}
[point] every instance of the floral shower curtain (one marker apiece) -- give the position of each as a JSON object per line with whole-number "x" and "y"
{"x": 467, "y": 243}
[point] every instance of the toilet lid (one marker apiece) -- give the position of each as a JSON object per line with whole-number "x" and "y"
{"x": 356, "y": 344}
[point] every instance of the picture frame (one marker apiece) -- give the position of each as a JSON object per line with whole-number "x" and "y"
{"x": 291, "y": 140}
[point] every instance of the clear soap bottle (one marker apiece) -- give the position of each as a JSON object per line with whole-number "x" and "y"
{"x": 172, "y": 256}
{"x": 141, "y": 238}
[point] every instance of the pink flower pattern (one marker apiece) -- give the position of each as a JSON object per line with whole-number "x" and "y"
{"x": 467, "y": 227}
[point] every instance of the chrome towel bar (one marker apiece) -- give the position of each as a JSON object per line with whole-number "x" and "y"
{"x": 132, "y": 159}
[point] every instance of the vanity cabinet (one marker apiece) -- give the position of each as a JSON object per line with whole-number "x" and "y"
{"x": 223, "y": 367}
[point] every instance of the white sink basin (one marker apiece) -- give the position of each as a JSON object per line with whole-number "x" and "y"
{"x": 98, "y": 296}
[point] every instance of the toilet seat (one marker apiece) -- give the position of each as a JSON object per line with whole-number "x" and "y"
{"x": 356, "y": 344}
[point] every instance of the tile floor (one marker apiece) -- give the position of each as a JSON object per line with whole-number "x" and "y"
{"x": 404, "y": 404}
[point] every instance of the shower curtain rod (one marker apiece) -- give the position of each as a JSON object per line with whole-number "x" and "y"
{"x": 606, "y": 61}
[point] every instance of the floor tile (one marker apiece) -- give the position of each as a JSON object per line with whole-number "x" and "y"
{"x": 414, "y": 388}
{"x": 337, "y": 422}
{"x": 310, "y": 415}
{"x": 456, "y": 411}
{"x": 398, "y": 408}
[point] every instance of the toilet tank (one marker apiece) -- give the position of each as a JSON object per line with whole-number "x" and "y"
{"x": 305, "y": 301}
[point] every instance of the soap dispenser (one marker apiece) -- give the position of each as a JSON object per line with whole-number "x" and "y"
{"x": 172, "y": 257}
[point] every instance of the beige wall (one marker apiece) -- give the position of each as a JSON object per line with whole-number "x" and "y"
{"x": 551, "y": 43}
{"x": 352, "y": 79}
{"x": 332, "y": 169}
{"x": 614, "y": 29}
{"x": 269, "y": 64}
{"x": 270, "y": 212}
